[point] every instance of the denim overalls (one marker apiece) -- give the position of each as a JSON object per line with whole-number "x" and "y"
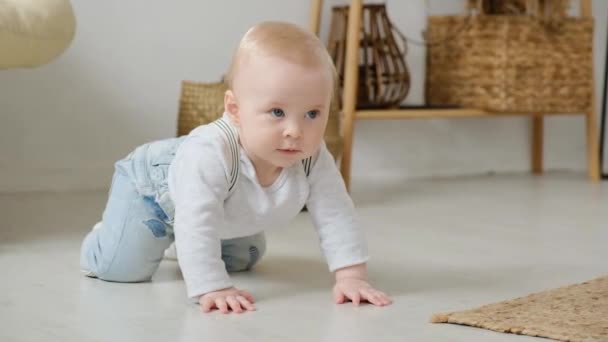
{"x": 137, "y": 223}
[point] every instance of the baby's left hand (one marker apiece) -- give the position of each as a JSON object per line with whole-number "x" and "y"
{"x": 357, "y": 290}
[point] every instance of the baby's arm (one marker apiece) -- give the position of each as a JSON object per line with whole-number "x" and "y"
{"x": 342, "y": 240}
{"x": 198, "y": 187}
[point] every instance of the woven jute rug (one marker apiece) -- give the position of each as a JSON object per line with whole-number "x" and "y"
{"x": 577, "y": 313}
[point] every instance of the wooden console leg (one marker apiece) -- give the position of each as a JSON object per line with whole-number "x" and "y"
{"x": 349, "y": 98}
{"x": 314, "y": 21}
{"x": 537, "y": 144}
{"x": 593, "y": 153}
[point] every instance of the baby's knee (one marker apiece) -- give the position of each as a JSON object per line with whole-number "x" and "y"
{"x": 243, "y": 253}
{"x": 257, "y": 246}
{"x": 125, "y": 277}
{"x": 107, "y": 264}
{"x": 118, "y": 273}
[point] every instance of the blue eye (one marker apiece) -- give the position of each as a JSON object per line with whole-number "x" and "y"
{"x": 277, "y": 112}
{"x": 312, "y": 114}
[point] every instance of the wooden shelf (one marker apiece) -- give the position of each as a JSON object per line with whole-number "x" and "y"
{"x": 435, "y": 113}
{"x": 351, "y": 113}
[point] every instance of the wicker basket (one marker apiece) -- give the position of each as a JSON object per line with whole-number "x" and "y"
{"x": 201, "y": 103}
{"x": 510, "y": 63}
{"x": 545, "y": 8}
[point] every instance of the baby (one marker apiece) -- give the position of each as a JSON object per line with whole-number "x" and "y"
{"x": 215, "y": 191}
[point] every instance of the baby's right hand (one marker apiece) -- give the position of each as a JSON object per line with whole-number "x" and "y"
{"x": 226, "y": 300}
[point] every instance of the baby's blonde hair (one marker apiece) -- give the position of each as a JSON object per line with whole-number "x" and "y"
{"x": 284, "y": 40}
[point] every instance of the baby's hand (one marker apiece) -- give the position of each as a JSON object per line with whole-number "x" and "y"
{"x": 226, "y": 300}
{"x": 358, "y": 290}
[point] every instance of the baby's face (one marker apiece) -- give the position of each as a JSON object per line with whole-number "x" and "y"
{"x": 282, "y": 109}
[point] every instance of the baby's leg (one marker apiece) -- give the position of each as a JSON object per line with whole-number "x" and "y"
{"x": 129, "y": 244}
{"x": 241, "y": 254}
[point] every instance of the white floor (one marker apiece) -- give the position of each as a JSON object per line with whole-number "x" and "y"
{"x": 436, "y": 246}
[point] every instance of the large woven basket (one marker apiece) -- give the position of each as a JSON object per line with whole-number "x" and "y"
{"x": 544, "y": 8}
{"x": 201, "y": 103}
{"x": 510, "y": 63}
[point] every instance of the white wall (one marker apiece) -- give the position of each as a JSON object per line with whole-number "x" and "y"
{"x": 63, "y": 125}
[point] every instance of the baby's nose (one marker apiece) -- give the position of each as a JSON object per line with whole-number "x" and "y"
{"x": 293, "y": 130}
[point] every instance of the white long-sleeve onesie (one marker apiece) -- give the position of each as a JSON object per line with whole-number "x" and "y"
{"x": 206, "y": 211}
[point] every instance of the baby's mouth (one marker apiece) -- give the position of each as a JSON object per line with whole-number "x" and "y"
{"x": 289, "y": 150}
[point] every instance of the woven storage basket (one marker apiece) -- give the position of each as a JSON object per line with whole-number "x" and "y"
{"x": 546, "y": 8}
{"x": 510, "y": 63}
{"x": 201, "y": 103}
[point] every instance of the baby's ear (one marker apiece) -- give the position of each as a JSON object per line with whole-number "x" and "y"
{"x": 231, "y": 107}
